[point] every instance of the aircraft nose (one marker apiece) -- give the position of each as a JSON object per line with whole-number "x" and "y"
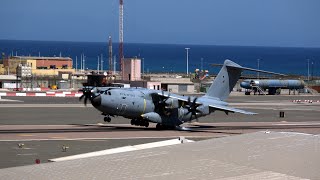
{"x": 96, "y": 101}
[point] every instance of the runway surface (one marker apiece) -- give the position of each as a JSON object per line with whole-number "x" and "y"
{"x": 44, "y": 124}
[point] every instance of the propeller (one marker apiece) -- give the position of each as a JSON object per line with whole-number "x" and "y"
{"x": 87, "y": 94}
{"x": 160, "y": 103}
{"x": 192, "y": 108}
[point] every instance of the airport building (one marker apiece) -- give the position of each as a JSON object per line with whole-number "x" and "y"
{"x": 8, "y": 81}
{"x": 49, "y": 66}
{"x": 174, "y": 84}
{"x": 132, "y": 69}
{"x": 36, "y": 72}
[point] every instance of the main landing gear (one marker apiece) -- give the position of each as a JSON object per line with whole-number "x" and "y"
{"x": 107, "y": 119}
{"x": 140, "y": 122}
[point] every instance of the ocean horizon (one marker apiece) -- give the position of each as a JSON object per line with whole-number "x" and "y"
{"x": 172, "y": 57}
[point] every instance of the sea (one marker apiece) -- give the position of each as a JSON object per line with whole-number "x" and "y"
{"x": 172, "y": 58}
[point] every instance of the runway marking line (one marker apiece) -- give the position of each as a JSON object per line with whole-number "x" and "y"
{"x": 58, "y": 137}
{"x": 30, "y": 154}
{"x": 25, "y": 135}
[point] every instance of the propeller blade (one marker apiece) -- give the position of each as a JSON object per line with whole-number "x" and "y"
{"x": 85, "y": 101}
{"x": 192, "y": 108}
{"x": 81, "y": 97}
{"x": 190, "y": 118}
{"x": 195, "y": 100}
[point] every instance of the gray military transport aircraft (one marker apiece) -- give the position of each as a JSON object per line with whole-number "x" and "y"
{"x": 168, "y": 110}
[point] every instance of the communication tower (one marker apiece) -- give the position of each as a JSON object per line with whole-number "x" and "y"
{"x": 110, "y": 55}
{"x": 121, "y": 37}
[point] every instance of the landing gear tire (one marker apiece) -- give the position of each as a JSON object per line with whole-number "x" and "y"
{"x": 146, "y": 124}
{"x": 164, "y": 127}
{"x": 107, "y": 119}
{"x": 159, "y": 126}
{"x": 138, "y": 122}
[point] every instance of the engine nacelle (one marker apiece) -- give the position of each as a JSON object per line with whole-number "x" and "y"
{"x": 172, "y": 103}
{"x": 153, "y": 117}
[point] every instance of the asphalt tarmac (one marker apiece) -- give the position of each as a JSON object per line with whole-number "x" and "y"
{"x": 63, "y": 111}
{"x": 44, "y": 124}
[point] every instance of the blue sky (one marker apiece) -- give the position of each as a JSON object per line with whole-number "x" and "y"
{"x": 209, "y": 22}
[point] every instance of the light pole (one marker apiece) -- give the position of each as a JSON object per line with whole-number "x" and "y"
{"x": 308, "y": 70}
{"x": 312, "y": 71}
{"x": 201, "y": 64}
{"x": 143, "y": 66}
{"x": 258, "y": 68}
{"x": 187, "y": 60}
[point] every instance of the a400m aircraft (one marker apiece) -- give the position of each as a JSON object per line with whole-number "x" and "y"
{"x": 168, "y": 110}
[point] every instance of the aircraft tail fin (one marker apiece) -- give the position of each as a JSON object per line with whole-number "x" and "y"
{"x": 227, "y": 79}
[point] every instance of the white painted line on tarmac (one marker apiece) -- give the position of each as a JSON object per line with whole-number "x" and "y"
{"x": 296, "y": 124}
{"x": 299, "y": 133}
{"x": 9, "y": 100}
{"x": 30, "y": 154}
{"x": 122, "y": 149}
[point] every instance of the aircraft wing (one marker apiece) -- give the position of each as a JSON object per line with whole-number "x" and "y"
{"x": 227, "y": 109}
{"x": 179, "y": 97}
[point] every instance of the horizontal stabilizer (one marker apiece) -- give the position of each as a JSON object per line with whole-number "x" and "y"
{"x": 231, "y": 64}
{"x": 257, "y": 70}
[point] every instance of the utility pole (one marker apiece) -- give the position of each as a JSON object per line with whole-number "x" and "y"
{"x": 143, "y": 66}
{"x": 187, "y": 60}
{"x": 98, "y": 68}
{"x": 114, "y": 64}
{"x": 311, "y": 70}
{"x": 201, "y": 64}
{"x": 101, "y": 59}
{"x": 84, "y": 60}
{"x": 81, "y": 60}
{"x": 308, "y": 71}
{"x": 76, "y": 64}
{"x": 258, "y": 73}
